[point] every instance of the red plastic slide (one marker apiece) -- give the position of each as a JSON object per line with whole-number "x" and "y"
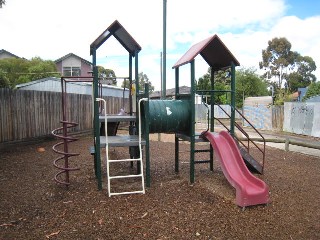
{"x": 250, "y": 190}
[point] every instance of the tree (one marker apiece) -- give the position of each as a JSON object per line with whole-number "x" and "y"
{"x": 221, "y": 82}
{"x": 203, "y": 82}
{"x": 303, "y": 76}
{"x": 2, "y": 2}
{"x": 277, "y": 60}
{"x": 39, "y": 68}
{"x": 107, "y": 76}
{"x": 143, "y": 79}
{"x": 249, "y": 84}
{"x": 313, "y": 90}
{"x": 11, "y": 67}
{"x": 4, "y": 81}
{"x": 20, "y": 70}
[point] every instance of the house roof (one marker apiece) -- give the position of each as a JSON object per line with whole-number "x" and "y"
{"x": 213, "y": 51}
{"x": 121, "y": 34}
{"x": 2, "y": 51}
{"x": 72, "y": 55}
{"x": 171, "y": 92}
{"x": 59, "y": 80}
{"x": 294, "y": 96}
{"x": 37, "y": 81}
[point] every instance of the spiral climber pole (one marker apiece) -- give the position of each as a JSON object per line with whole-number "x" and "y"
{"x": 65, "y": 154}
{"x": 57, "y": 148}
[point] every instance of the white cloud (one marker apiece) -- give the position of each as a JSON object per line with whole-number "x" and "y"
{"x": 186, "y": 16}
{"x": 299, "y": 32}
{"x": 304, "y": 35}
{"x": 51, "y": 29}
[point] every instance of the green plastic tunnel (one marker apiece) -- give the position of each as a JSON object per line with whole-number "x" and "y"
{"x": 169, "y": 116}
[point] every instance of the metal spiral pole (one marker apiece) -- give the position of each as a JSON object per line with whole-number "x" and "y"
{"x": 65, "y": 154}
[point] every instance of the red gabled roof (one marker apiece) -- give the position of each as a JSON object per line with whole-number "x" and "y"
{"x": 121, "y": 34}
{"x": 213, "y": 51}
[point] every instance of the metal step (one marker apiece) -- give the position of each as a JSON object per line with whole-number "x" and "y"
{"x": 122, "y": 193}
{"x": 125, "y": 176}
{"x": 252, "y": 164}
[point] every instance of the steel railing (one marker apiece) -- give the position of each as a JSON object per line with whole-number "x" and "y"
{"x": 247, "y": 139}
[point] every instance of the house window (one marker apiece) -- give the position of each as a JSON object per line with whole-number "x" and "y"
{"x": 71, "y": 71}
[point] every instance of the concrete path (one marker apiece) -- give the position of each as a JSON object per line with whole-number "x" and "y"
{"x": 294, "y": 148}
{"x": 271, "y": 135}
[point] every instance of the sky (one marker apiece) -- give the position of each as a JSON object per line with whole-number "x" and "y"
{"x": 51, "y": 29}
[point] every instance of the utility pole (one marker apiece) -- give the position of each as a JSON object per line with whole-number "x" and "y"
{"x": 164, "y": 88}
{"x": 161, "y": 79}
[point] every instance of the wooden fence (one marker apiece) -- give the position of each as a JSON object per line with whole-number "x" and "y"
{"x": 28, "y": 114}
{"x": 277, "y": 117}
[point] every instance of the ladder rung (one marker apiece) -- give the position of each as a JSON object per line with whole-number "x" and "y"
{"x": 184, "y": 151}
{"x": 201, "y": 161}
{"x": 196, "y": 151}
{"x": 202, "y": 150}
{"x": 122, "y": 193}
{"x": 125, "y": 160}
{"x": 125, "y": 176}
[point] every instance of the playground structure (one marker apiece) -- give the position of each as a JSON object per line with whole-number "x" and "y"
{"x": 177, "y": 117}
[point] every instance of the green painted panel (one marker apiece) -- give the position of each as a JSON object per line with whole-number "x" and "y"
{"x": 169, "y": 116}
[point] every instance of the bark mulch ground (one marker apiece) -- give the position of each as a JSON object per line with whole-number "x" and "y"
{"x": 33, "y": 206}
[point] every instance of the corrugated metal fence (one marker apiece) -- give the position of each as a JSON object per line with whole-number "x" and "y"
{"x": 302, "y": 118}
{"x": 31, "y": 114}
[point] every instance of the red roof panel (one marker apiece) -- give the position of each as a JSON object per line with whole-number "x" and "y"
{"x": 121, "y": 34}
{"x": 213, "y": 51}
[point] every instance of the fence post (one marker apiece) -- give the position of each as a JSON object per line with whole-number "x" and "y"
{"x": 286, "y": 146}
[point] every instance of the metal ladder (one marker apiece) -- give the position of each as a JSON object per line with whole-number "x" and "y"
{"x": 108, "y": 160}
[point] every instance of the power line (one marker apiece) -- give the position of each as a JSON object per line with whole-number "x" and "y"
{"x": 33, "y": 73}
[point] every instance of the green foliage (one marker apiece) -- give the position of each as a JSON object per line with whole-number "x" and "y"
{"x": 286, "y": 66}
{"x": 107, "y": 75}
{"x": 276, "y": 59}
{"x": 143, "y": 79}
{"x": 221, "y": 98}
{"x": 204, "y": 81}
{"x": 4, "y": 81}
{"x": 313, "y": 90}
{"x": 11, "y": 67}
{"x": 38, "y": 69}
{"x": 281, "y": 96}
{"x": 303, "y": 76}
{"x": 249, "y": 84}
{"x": 221, "y": 82}
{"x": 18, "y": 70}
{"x": 295, "y": 81}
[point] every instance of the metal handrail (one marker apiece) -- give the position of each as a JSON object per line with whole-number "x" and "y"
{"x": 242, "y": 130}
{"x": 246, "y": 134}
